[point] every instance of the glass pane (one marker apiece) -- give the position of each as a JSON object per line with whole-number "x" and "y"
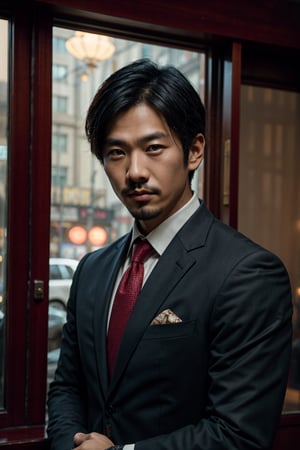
{"x": 85, "y": 213}
{"x": 3, "y": 193}
{"x": 269, "y": 191}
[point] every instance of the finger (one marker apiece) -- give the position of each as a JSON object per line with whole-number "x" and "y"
{"x": 79, "y": 438}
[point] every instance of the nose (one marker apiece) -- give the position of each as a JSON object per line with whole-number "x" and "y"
{"x": 137, "y": 170}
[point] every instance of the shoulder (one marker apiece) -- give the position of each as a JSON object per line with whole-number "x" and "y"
{"x": 104, "y": 254}
{"x": 227, "y": 251}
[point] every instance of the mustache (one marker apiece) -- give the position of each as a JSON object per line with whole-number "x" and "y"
{"x": 136, "y": 186}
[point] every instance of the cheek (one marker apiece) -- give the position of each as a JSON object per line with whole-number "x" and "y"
{"x": 113, "y": 174}
{"x": 171, "y": 173}
{"x": 114, "y": 181}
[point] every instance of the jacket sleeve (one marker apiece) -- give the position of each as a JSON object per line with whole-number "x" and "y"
{"x": 250, "y": 342}
{"x": 67, "y": 411}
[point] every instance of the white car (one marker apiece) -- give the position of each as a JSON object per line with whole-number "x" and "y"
{"x": 61, "y": 271}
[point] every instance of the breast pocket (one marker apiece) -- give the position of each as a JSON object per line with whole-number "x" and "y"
{"x": 172, "y": 361}
{"x": 170, "y": 331}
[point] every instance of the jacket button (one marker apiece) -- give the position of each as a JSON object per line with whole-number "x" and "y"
{"x": 110, "y": 409}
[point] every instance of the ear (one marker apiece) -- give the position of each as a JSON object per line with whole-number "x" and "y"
{"x": 196, "y": 153}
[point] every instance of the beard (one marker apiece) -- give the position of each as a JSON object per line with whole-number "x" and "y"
{"x": 145, "y": 213}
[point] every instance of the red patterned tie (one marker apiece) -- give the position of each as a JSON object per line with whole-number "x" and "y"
{"x": 126, "y": 295}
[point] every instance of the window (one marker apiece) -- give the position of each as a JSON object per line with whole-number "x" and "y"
{"x": 269, "y": 188}
{"x": 59, "y": 142}
{"x": 61, "y": 271}
{"x": 54, "y": 272}
{"x": 60, "y": 104}
{"x": 98, "y": 204}
{"x": 59, "y": 72}
{"x": 59, "y": 176}
{"x": 59, "y": 44}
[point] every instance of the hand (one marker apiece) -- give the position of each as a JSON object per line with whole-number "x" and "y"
{"x": 92, "y": 441}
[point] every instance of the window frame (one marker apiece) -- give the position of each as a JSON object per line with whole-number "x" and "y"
{"x": 28, "y": 229}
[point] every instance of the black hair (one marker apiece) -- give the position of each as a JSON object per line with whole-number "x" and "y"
{"x": 165, "y": 89}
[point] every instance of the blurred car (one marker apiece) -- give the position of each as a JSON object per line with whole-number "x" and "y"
{"x": 56, "y": 320}
{"x": 61, "y": 271}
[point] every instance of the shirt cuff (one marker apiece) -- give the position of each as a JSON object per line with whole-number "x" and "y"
{"x": 129, "y": 447}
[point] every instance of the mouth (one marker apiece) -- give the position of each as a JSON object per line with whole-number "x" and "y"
{"x": 140, "y": 195}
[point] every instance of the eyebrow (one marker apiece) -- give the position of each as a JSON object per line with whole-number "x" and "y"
{"x": 111, "y": 141}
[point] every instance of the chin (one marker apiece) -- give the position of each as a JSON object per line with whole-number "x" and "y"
{"x": 145, "y": 213}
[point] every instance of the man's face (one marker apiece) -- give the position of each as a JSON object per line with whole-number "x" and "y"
{"x": 144, "y": 162}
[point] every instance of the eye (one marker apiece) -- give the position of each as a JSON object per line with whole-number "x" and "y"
{"x": 114, "y": 154}
{"x": 155, "y": 148}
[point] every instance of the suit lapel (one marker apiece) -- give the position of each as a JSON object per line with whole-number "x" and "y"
{"x": 170, "y": 269}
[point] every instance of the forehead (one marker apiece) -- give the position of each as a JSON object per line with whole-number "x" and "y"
{"x": 138, "y": 118}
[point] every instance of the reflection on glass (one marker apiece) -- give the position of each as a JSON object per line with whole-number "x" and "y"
{"x": 85, "y": 213}
{"x": 3, "y": 196}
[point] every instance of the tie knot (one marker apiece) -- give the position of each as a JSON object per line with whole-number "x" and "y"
{"x": 142, "y": 250}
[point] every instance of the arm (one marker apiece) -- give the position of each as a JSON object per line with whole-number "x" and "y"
{"x": 250, "y": 335}
{"x": 76, "y": 402}
{"x": 66, "y": 398}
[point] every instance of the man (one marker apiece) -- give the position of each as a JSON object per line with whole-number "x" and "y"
{"x": 203, "y": 358}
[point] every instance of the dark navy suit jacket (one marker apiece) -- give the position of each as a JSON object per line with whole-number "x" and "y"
{"x": 215, "y": 381}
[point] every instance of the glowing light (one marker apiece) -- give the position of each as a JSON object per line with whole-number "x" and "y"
{"x": 77, "y": 235}
{"x": 97, "y": 236}
{"x": 90, "y": 48}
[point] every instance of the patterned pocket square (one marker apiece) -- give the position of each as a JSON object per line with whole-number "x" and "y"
{"x": 166, "y": 316}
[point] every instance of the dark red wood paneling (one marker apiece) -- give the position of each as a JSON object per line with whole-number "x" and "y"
{"x": 235, "y": 132}
{"x": 288, "y": 435}
{"x": 18, "y": 219}
{"x": 275, "y": 22}
{"x": 40, "y": 208}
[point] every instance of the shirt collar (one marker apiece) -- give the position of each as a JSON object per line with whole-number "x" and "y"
{"x": 162, "y": 235}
